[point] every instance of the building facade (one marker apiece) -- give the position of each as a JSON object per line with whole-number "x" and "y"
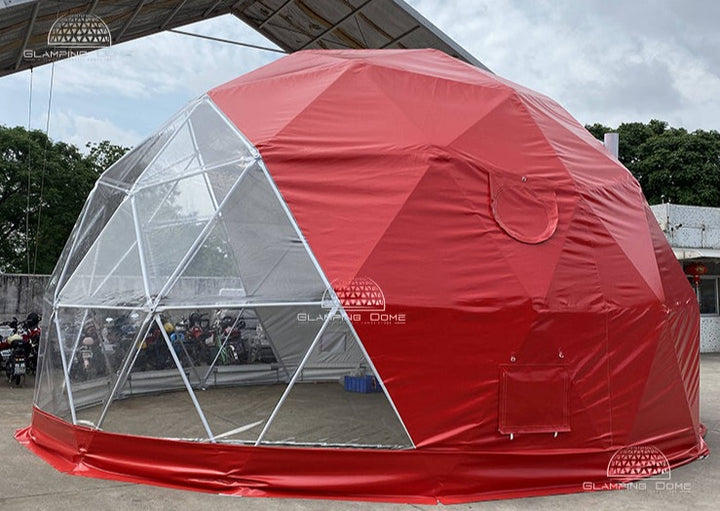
{"x": 694, "y": 235}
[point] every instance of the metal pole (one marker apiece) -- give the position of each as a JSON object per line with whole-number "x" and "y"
{"x": 222, "y": 346}
{"x": 66, "y": 373}
{"x": 126, "y": 367}
{"x": 184, "y": 378}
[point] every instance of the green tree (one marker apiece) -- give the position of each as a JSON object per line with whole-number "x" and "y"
{"x": 43, "y": 186}
{"x": 671, "y": 164}
{"x": 103, "y": 154}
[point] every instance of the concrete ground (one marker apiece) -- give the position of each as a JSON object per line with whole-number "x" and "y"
{"x": 28, "y": 483}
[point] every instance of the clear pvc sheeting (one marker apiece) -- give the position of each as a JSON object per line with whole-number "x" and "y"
{"x": 50, "y": 384}
{"x": 99, "y": 209}
{"x": 255, "y": 248}
{"x": 338, "y": 399}
{"x": 223, "y": 378}
{"x": 110, "y": 272}
{"x": 188, "y": 305}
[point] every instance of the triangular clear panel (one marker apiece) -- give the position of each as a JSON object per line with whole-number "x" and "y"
{"x": 204, "y": 141}
{"x": 337, "y": 400}
{"x": 97, "y": 212}
{"x": 51, "y": 392}
{"x": 110, "y": 273}
{"x": 84, "y": 348}
{"x": 256, "y": 247}
{"x": 223, "y": 177}
{"x": 126, "y": 171}
{"x": 108, "y": 342}
{"x": 232, "y": 366}
{"x": 171, "y": 217}
{"x": 217, "y": 140}
{"x": 134, "y": 410}
{"x": 179, "y": 156}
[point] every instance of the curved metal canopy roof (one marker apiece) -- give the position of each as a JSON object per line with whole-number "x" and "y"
{"x": 291, "y": 24}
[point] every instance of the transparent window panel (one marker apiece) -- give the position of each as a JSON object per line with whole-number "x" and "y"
{"x": 51, "y": 393}
{"x": 206, "y": 140}
{"x": 99, "y": 209}
{"x": 91, "y": 353}
{"x": 255, "y": 244}
{"x": 234, "y": 370}
{"x": 211, "y": 277}
{"x": 178, "y": 156}
{"x": 272, "y": 259}
{"x": 222, "y": 178}
{"x": 138, "y": 409}
{"x": 110, "y": 273}
{"x": 237, "y": 364}
{"x": 59, "y": 271}
{"x": 238, "y": 414}
{"x": 338, "y": 400}
{"x": 291, "y": 330}
{"x": 217, "y": 140}
{"x": 126, "y": 171}
{"x": 171, "y": 217}
{"x": 186, "y": 199}
{"x": 165, "y": 247}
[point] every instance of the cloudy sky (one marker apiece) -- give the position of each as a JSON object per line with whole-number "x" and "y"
{"x": 607, "y": 61}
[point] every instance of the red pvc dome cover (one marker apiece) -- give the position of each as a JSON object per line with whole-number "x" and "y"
{"x": 546, "y": 323}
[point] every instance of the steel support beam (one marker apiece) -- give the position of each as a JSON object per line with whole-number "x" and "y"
{"x": 172, "y": 14}
{"x": 336, "y": 25}
{"x": 26, "y": 39}
{"x": 211, "y": 8}
{"x": 130, "y": 20}
{"x": 275, "y": 13}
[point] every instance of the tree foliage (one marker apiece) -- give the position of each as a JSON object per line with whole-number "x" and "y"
{"x": 671, "y": 164}
{"x": 43, "y": 186}
{"x": 103, "y": 154}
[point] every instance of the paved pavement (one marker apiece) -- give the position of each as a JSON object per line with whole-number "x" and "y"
{"x": 27, "y": 483}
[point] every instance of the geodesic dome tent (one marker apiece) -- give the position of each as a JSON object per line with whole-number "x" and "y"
{"x": 367, "y": 274}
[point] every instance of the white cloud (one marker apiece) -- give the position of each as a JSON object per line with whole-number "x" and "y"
{"x": 165, "y": 63}
{"x": 606, "y": 61}
{"x": 78, "y": 130}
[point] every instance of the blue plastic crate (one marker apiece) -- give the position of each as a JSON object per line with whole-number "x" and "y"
{"x": 362, "y": 384}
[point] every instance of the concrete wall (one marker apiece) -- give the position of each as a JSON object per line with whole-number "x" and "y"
{"x": 689, "y": 226}
{"x": 20, "y": 294}
{"x": 709, "y": 334}
{"x": 694, "y": 227}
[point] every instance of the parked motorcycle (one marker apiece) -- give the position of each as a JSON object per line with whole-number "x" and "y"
{"x": 31, "y": 333}
{"x": 86, "y": 356}
{"x": 230, "y": 333}
{"x": 200, "y": 334}
{"x": 7, "y": 328}
{"x": 184, "y": 346}
{"x": 16, "y": 365}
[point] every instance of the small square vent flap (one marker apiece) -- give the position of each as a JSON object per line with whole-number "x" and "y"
{"x": 533, "y": 399}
